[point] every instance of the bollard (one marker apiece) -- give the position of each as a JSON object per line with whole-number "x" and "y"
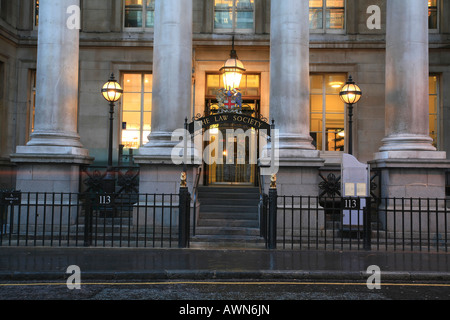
{"x": 272, "y": 236}
{"x": 183, "y": 218}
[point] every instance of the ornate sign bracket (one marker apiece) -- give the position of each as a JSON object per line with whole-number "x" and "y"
{"x": 230, "y": 118}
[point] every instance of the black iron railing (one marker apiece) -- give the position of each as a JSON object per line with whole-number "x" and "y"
{"x": 102, "y": 220}
{"x": 391, "y": 224}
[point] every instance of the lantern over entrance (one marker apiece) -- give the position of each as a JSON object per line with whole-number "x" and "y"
{"x": 232, "y": 71}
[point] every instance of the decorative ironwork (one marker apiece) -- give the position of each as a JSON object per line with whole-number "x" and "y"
{"x": 94, "y": 181}
{"x": 330, "y": 186}
{"x": 128, "y": 181}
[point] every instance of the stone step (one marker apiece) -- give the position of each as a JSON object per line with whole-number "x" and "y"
{"x": 227, "y": 231}
{"x": 239, "y": 215}
{"x": 229, "y": 201}
{"x": 227, "y": 242}
{"x": 228, "y": 223}
{"x": 228, "y": 208}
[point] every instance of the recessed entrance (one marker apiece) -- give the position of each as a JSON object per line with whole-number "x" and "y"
{"x": 236, "y": 163}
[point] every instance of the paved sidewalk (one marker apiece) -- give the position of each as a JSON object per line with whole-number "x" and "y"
{"x": 195, "y": 264}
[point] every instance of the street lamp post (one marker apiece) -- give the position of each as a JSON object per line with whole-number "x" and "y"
{"x": 112, "y": 92}
{"x": 350, "y": 94}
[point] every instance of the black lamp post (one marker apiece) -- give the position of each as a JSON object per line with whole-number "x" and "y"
{"x": 112, "y": 92}
{"x": 350, "y": 94}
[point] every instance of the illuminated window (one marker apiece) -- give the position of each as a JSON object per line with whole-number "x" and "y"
{"x": 31, "y": 101}
{"x": 139, "y": 14}
{"x": 35, "y": 13}
{"x": 434, "y": 110}
{"x": 136, "y": 109}
{"x": 433, "y": 17}
{"x": 327, "y": 14}
{"x": 234, "y": 15}
{"x": 249, "y": 87}
{"x": 327, "y": 112}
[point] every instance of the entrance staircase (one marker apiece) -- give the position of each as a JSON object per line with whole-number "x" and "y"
{"x": 228, "y": 218}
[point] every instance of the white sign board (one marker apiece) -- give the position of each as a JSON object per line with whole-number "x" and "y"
{"x": 355, "y": 187}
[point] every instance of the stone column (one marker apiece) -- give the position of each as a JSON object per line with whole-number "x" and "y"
{"x": 51, "y": 159}
{"x": 407, "y": 71}
{"x": 289, "y": 97}
{"x": 411, "y": 166}
{"x": 172, "y": 92}
{"x": 289, "y": 75}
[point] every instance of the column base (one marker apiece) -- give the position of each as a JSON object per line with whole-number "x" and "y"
{"x": 49, "y": 169}
{"x": 407, "y": 142}
{"x": 408, "y": 174}
{"x": 163, "y": 178}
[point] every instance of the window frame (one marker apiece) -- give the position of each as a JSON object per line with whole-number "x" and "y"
{"x": 234, "y": 28}
{"x": 144, "y": 27}
{"x": 438, "y": 114}
{"x": 323, "y": 132}
{"x": 35, "y": 4}
{"x": 142, "y": 107}
{"x": 438, "y": 18}
{"x": 324, "y": 29}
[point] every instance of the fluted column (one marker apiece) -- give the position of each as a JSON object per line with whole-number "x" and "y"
{"x": 50, "y": 161}
{"x": 172, "y": 87}
{"x": 289, "y": 75}
{"x": 296, "y": 160}
{"x": 407, "y": 72}
{"x": 56, "y": 77}
{"x": 409, "y": 163}
{"x": 172, "y": 75}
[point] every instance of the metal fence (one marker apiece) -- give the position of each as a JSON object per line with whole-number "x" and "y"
{"x": 407, "y": 224}
{"x": 103, "y": 220}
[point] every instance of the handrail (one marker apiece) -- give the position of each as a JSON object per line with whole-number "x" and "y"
{"x": 195, "y": 193}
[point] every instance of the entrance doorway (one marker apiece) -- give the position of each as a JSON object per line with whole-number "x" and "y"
{"x": 236, "y": 165}
{"x": 237, "y": 151}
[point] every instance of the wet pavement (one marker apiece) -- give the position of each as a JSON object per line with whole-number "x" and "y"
{"x": 197, "y": 264}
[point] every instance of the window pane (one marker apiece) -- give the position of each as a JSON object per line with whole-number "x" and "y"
{"x": 36, "y": 13}
{"x": 130, "y": 139}
{"x": 434, "y": 129}
{"x": 316, "y": 104}
{"x": 212, "y": 84}
{"x": 132, "y": 102}
{"x": 132, "y": 82}
{"x": 315, "y": 3}
{"x": 223, "y": 14}
{"x": 133, "y": 120}
{"x": 335, "y": 18}
{"x": 147, "y": 121}
{"x": 316, "y": 84}
{"x": 252, "y": 85}
{"x": 317, "y": 140}
{"x": 432, "y": 14}
{"x": 148, "y": 102}
{"x": 150, "y": 20}
{"x": 334, "y": 83}
{"x": 244, "y": 11}
{"x": 148, "y": 83}
{"x": 316, "y": 18}
{"x": 333, "y": 112}
{"x": 133, "y": 13}
{"x": 433, "y": 84}
{"x": 334, "y": 104}
{"x": 335, "y": 3}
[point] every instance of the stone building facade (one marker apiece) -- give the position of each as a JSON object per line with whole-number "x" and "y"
{"x": 297, "y": 55}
